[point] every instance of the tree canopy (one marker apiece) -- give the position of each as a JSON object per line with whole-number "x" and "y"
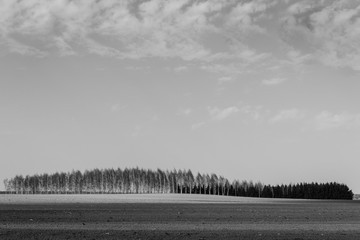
{"x": 136, "y": 180}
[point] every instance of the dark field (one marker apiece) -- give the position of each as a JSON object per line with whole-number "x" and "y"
{"x": 175, "y": 217}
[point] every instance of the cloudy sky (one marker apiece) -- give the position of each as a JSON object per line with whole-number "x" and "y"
{"x": 256, "y": 90}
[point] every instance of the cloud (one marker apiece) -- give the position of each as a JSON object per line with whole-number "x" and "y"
{"x": 221, "y": 114}
{"x": 297, "y": 58}
{"x": 327, "y": 120}
{"x": 217, "y": 33}
{"x": 255, "y": 112}
{"x": 128, "y": 29}
{"x": 286, "y": 115}
{"x": 185, "y": 112}
{"x": 222, "y": 80}
{"x": 181, "y": 69}
{"x": 328, "y": 31}
{"x": 273, "y": 81}
{"x": 137, "y": 68}
{"x": 242, "y": 16}
{"x": 63, "y": 47}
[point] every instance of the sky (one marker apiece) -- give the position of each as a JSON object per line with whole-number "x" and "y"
{"x": 251, "y": 90}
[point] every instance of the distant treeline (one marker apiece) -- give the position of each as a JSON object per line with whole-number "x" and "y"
{"x": 135, "y": 180}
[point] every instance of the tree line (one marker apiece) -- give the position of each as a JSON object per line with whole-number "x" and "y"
{"x": 135, "y": 180}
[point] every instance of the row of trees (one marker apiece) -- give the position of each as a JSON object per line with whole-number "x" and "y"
{"x": 309, "y": 191}
{"x": 135, "y": 180}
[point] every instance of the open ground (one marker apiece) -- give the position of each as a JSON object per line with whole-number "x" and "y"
{"x": 175, "y": 216}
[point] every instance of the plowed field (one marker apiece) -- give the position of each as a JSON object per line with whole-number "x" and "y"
{"x": 175, "y": 217}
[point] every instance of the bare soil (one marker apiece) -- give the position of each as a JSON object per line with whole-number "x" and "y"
{"x": 175, "y": 217}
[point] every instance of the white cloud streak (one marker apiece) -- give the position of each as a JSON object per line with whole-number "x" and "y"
{"x": 222, "y": 80}
{"x": 181, "y": 69}
{"x": 327, "y": 120}
{"x": 287, "y": 115}
{"x": 185, "y": 111}
{"x": 221, "y": 114}
{"x": 273, "y": 81}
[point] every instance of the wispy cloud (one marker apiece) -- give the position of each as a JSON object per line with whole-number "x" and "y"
{"x": 14, "y": 46}
{"x": 327, "y": 120}
{"x": 273, "y": 81}
{"x": 181, "y": 69}
{"x": 226, "y": 79}
{"x": 221, "y": 114}
{"x": 254, "y": 112}
{"x": 185, "y": 111}
{"x": 286, "y": 115}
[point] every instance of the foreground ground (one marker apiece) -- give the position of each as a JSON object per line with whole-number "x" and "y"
{"x": 174, "y": 217}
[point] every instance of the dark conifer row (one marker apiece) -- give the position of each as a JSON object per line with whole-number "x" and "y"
{"x": 135, "y": 180}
